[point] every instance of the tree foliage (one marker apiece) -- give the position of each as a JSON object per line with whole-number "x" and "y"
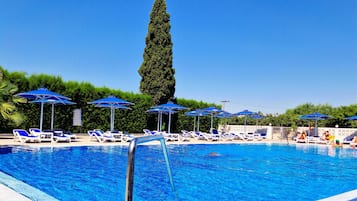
{"x": 137, "y": 119}
{"x": 81, "y": 93}
{"x": 156, "y": 71}
{"x": 8, "y": 109}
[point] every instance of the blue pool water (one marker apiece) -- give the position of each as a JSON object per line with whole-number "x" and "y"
{"x": 241, "y": 172}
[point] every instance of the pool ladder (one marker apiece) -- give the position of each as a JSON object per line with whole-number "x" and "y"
{"x": 131, "y": 163}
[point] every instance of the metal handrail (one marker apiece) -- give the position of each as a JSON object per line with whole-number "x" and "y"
{"x": 131, "y": 162}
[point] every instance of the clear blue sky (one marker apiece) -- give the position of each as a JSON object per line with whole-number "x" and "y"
{"x": 260, "y": 55}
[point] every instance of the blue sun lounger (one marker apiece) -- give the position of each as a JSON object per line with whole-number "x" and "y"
{"x": 23, "y": 136}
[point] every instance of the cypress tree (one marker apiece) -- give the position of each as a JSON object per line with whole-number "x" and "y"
{"x": 156, "y": 71}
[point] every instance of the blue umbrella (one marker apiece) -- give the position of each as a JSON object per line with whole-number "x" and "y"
{"x": 159, "y": 112}
{"x": 213, "y": 111}
{"x": 53, "y": 102}
{"x": 351, "y": 118}
{"x": 245, "y": 113}
{"x": 315, "y": 116}
{"x": 113, "y": 103}
{"x": 224, "y": 114}
{"x": 198, "y": 114}
{"x": 42, "y": 94}
{"x": 170, "y": 106}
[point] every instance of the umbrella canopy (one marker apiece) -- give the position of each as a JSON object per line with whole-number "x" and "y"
{"x": 113, "y": 103}
{"x": 170, "y": 106}
{"x": 159, "y": 112}
{"x": 315, "y": 116}
{"x": 42, "y": 94}
{"x": 245, "y": 113}
{"x": 54, "y": 102}
{"x": 351, "y": 118}
{"x": 224, "y": 114}
{"x": 198, "y": 114}
{"x": 212, "y": 111}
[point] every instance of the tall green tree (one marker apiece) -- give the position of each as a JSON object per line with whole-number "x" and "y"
{"x": 8, "y": 108}
{"x": 156, "y": 71}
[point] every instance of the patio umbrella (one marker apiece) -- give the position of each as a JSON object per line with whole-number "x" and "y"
{"x": 113, "y": 103}
{"x": 315, "y": 116}
{"x": 159, "y": 112}
{"x": 212, "y": 111}
{"x": 41, "y": 94}
{"x": 351, "y": 118}
{"x": 54, "y": 102}
{"x": 198, "y": 114}
{"x": 170, "y": 107}
{"x": 245, "y": 113}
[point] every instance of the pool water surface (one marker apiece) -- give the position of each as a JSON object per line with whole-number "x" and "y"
{"x": 237, "y": 172}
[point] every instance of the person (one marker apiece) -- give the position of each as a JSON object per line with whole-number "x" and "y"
{"x": 302, "y": 136}
{"x": 337, "y": 144}
{"x": 327, "y": 135}
{"x": 214, "y": 154}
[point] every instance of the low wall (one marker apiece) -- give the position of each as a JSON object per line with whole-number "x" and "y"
{"x": 281, "y": 133}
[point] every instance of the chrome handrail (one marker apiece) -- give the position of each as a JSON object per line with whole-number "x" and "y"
{"x": 131, "y": 163}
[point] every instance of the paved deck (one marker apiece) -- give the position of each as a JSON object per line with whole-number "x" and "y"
{"x": 7, "y": 194}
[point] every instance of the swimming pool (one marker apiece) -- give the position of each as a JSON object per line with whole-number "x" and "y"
{"x": 241, "y": 172}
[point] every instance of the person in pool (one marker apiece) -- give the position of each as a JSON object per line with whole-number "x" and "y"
{"x": 214, "y": 154}
{"x": 337, "y": 144}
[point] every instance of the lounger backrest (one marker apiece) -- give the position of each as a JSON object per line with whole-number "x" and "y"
{"x": 34, "y": 130}
{"x": 21, "y": 132}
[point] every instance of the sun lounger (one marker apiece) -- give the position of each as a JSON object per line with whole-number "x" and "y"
{"x": 101, "y": 137}
{"x": 44, "y": 135}
{"x": 149, "y": 132}
{"x": 248, "y": 136}
{"x": 185, "y": 136}
{"x": 257, "y": 136}
{"x": 237, "y": 136}
{"x": 198, "y": 135}
{"x": 59, "y": 136}
{"x": 127, "y": 137}
{"x": 66, "y": 133}
{"x": 23, "y": 136}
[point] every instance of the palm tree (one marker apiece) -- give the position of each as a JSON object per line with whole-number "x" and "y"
{"x": 8, "y": 108}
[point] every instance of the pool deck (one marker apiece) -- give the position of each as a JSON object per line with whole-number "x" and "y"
{"x": 7, "y": 194}
{"x": 10, "y": 195}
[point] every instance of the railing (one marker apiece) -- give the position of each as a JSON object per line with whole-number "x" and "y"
{"x": 131, "y": 163}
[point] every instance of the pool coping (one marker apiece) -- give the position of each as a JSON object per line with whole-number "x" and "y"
{"x": 347, "y": 196}
{"x": 13, "y": 189}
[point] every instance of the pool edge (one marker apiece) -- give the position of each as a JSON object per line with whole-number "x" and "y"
{"x": 16, "y": 188}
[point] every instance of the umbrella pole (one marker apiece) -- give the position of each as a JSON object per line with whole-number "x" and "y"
{"x": 316, "y": 131}
{"x": 111, "y": 119}
{"x": 211, "y": 122}
{"x": 194, "y": 123}
{"x": 198, "y": 124}
{"x": 245, "y": 124}
{"x": 158, "y": 121}
{"x": 169, "y": 122}
{"x": 52, "y": 115}
{"x": 41, "y": 116}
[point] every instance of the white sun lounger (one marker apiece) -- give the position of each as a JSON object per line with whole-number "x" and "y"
{"x": 23, "y": 136}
